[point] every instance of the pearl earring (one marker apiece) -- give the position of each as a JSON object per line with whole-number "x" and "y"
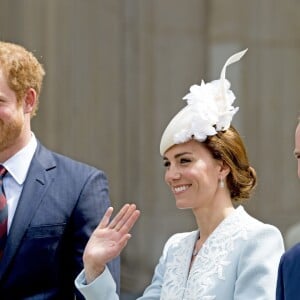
{"x": 221, "y": 183}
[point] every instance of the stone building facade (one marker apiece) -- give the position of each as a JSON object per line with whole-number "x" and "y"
{"x": 116, "y": 73}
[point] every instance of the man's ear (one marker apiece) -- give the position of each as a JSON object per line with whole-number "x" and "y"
{"x": 29, "y": 101}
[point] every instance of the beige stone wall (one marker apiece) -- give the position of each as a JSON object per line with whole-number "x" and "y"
{"x": 116, "y": 73}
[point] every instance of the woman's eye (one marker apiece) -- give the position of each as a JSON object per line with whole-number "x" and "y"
{"x": 166, "y": 164}
{"x": 184, "y": 160}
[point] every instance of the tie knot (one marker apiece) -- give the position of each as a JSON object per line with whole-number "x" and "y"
{"x": 3, "y": 171}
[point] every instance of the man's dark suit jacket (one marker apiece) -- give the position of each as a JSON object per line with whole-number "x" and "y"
{"x": 288, "y": 283}
{"x": 61, "y": 203}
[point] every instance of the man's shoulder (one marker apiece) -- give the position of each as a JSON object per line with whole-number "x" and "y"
{"x": 64, "y": 162}
{"x": 292, "y": 255}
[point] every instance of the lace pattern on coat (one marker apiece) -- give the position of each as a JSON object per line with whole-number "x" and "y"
{"x": 209, "y": 264}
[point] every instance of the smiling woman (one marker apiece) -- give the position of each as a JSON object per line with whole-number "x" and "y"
{"x": 193, "y": 175}
{"x": 231, "y": 255}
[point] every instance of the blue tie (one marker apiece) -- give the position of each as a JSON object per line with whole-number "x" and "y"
{"x": 3, "y": 212}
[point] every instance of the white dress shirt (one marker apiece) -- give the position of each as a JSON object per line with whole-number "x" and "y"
{"x": 17, "y": 167}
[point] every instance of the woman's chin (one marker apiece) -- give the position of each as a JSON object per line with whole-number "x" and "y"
{"x": 181, "y": 205}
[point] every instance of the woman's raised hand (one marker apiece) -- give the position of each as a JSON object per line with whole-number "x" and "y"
{"x": 108, "y": 240}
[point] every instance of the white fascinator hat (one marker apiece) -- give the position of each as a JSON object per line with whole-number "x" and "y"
{"x": 209, "y": 109}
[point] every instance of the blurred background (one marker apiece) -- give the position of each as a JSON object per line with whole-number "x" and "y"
{"x": 116, "y": 71}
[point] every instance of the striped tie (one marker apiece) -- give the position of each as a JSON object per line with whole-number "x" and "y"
{"x": 3, "y": 212}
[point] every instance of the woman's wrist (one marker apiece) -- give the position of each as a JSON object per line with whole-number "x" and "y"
{"x": 92, "y": 272}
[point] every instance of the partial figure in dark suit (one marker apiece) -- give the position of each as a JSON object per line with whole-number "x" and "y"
{"x": 288, "y": 283}
{"x": 49, "y": 204}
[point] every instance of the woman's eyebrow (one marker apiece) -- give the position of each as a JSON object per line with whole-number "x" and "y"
{"x": 183, "y": 153}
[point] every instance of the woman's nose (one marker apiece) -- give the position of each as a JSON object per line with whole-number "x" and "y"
{"x": 172, "y": 174}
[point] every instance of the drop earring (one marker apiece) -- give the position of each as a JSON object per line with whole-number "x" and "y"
{"x": 221, "y": 183}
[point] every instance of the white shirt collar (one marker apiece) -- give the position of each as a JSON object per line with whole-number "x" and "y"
{"x": 18, "y": 164}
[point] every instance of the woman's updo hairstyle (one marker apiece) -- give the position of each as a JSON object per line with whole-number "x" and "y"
{"x": 229, "y": 147}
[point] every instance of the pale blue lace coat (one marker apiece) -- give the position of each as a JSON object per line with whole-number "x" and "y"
{"x": 238, "y": 261}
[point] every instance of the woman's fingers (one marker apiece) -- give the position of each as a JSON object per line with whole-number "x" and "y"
{"x": 105, "y": 220}
{"x": 119, "y": 216}
{"x": 127, "y": 215}
{"x": 123, "y": 221}
{"x": 123, "y": 241}
{"x": 126, "y": 227}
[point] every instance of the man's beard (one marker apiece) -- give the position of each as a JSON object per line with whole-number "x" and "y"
{"x": 9, "y": 133}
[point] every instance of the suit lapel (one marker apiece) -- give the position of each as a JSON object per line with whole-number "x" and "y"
{"x": 35, "y": 186}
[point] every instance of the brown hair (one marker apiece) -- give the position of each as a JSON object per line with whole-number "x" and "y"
{"x": 229, "y": 147}
{"x": 22, "y": 70}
